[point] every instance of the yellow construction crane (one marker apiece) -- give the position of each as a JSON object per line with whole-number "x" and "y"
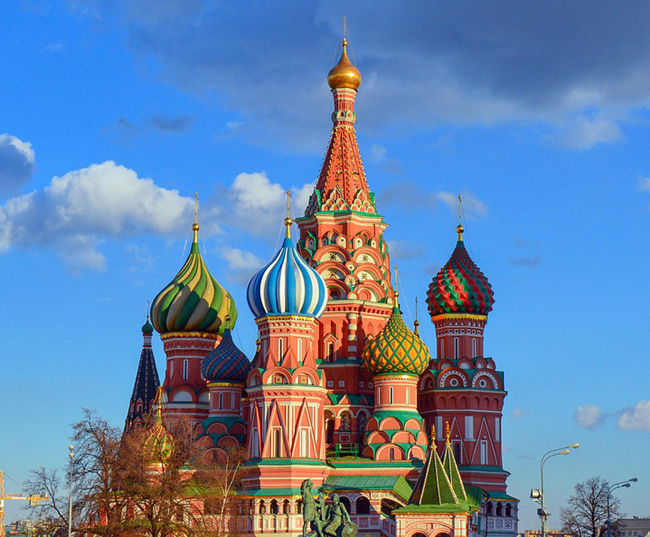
{"x": 33, "y": 500}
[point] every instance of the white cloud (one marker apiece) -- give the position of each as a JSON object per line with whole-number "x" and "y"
{"x": 17, "y": 164}
{"x": 644, "y": 184}
{"x": 471, "y": 205}
{"x": 403, "y": 250}
{"x": 257, "y": 205}
{"x": 636, "y": 418}
{"x": 76, "y": 211}
{"x": 378, "y": 153}
{"x": 584, "y": 133}
{"x": 518, "y": 413}
{"x": 242, "y": 264}
{"x": 588, "y": 416}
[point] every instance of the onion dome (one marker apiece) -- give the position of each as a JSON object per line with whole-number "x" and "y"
{"x": 193, "y": 301}
{"x": 287, "y": 285}
{"x": 395, "y": 350}
{"x": 147, "y": 327}
{"x": 159, "y": 444}
{"x": 226, "y": 362}
{"x": 460, "y": 286}
{"x": 344, "y": 74}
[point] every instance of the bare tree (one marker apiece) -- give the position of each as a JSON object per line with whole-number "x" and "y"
{"x": 152, "y": 481}
{"x": 585, "y": 514}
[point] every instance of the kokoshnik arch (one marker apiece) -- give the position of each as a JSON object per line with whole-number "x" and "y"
{"x": 340, "y": 391}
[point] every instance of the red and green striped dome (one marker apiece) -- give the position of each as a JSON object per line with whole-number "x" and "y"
{"x": 395, "y": 350}
{"x": 193, "y": 301}
{"x": 460, "y": 286}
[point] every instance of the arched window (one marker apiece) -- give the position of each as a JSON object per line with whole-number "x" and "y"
{"x": 346, "y": 501}
{"x": 391, "y": 454}
{"x": 508, "y": 510}
{"x": 361, "y": 422}
{"x": 330, "y": 352}
{"x": 457, "y": 453}
{"x": 299, "y": 507}
{"x": 346, "y": 422}
{"x": 262, "y": 507}
{"x": 285, "y": 507}
{"x": 186, "y": 369}
{"x": 499, "y": 509}
{"x": 329, "y": 428}
{"x": 363, "y": 506}
{"x": 274, "y": 507}
{"x": 489, "y": 509}
{"x": 456, "y": 348}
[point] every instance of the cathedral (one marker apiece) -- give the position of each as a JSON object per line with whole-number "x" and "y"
{"x": 341, "y": 393}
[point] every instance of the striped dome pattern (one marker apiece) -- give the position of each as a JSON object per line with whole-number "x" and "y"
{"x": 287, "y": 286}
{"x": 395, "y": 350}
{"x": 225, "y": 363}
{"x": 460, "y": 287}
{"x": 193, "y": 301}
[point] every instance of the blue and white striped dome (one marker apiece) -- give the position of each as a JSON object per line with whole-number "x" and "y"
{"x": 287, "y": 286}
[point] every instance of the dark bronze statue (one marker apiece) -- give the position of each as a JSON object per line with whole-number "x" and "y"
{"x": 325, "y": 520}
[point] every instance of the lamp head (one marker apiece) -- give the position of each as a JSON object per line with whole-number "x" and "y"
{"x": 565, "y": 452}
{"x": 633, "y": 480}
{"x": 535, "y": 494}
{"x": 574, "y": 446}
{"x": 626, "y": 485}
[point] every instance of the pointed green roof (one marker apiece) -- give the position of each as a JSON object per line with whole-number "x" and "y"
{"x": 451, "y": 468}
{"x": 433, "y": 487}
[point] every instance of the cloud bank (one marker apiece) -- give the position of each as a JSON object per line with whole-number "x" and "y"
{"x": 432, "y": 63}
{"x": 17, "y": 163}
{"x": 588, "y": 416}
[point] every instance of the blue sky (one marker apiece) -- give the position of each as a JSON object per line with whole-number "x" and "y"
{"x": 114, "y": 113}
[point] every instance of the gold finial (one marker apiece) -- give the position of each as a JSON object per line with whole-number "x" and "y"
{"x": 433, "y": 435}
{"x": 459, "y": 227}
{"x": 416, "y": 323}
{"x": 395, "y": 292}
{"x": 287, "y": 220}
{"x": 447, "y": 432}
{"x": 344, "y": 74}
{"x": 148, "y": 308}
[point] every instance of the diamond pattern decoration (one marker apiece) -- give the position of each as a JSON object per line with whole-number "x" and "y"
{"x": 395, "y": 350}
{"x": 460, "y": 287}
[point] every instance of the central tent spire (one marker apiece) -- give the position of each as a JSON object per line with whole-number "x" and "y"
{"x": 342, "y": 184}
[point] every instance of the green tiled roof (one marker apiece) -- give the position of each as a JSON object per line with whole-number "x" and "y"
{"x": 433, "y": 486}
{"x": 397, "y": 484}
{"x": 451, "y": 468}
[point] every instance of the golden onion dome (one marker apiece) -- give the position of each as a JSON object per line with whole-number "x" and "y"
{"x": 344, "y": 74}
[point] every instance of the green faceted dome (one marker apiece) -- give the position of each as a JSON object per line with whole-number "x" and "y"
{"x": 395, "y": 350}
{"x": 193, "y": 301}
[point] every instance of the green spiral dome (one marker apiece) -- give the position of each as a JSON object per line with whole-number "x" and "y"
{"x": 193, "y": 301}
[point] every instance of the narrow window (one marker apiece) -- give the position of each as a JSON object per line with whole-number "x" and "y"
{"x": 456, "y": 348}
{"x": 497, "y": 429}
{"x": 304, "y": 450}
{"x": 300, "y": 349}
{"x": 390, "y": 395}
{"x": 458, "y": 452}
{"x": 171, "y": 368}
{"x": 330, "y": 352}
{"x": 280, "y": 349}
{"x": 232, "y": 401}
{"x": 408, "y": 396}
{"x": 442, "y": 348}
{"x": 221, "y": 400}
{"x": 469, "y": 428}
{"x": 439, "y": 430}
{"x": 484, "y": 452}
{"x": 186, "y": 367}
{"x": 473, "y": 347}
{"x": 277, "y": 442}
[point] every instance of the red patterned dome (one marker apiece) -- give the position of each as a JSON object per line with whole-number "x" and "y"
{"x": 460, "y": 286}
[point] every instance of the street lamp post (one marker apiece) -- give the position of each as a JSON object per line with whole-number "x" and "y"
{"x": 622, "y": 484}
{"x": 71, "y": 455}
{"x": 538, "y": 495}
